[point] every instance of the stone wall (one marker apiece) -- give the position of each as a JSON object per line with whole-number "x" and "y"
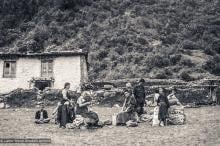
{"x": 187, "y": 92}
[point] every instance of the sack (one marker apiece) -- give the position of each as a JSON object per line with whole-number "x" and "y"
{"x": 155, "y": 117}
{"x": 173, "y": 102}
{"x": 108, "y": 122}
{"x": 131, "y": 123}
{"x": 176, "y": 110}
{"x": 91, "y": 118}
{"x": 78, "y": 121}
{"x": 176, "y": 119}
{"x": 120, "y": 118}
{"x": 146, "y": 118}
{"x": 108, "y": 95}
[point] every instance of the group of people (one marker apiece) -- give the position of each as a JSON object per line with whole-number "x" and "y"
{"x": 135, "y": 102}
{"x": 67, "y": 109}
{"x": 133, "y": 107}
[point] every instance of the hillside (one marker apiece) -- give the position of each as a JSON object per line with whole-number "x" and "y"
{"x": 124, "y": 38}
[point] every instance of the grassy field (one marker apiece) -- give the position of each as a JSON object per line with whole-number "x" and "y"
{"x": 202, "y": 128}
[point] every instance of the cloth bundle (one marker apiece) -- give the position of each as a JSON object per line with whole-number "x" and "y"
{"x": 176, "y": 110}
{"x": 122, "y": 117}
{"x": 146, "y": 118}
{"x": 176, "y": 119}
{"x": 78, "y": 121}
{"x": 131, "y": 123}
{"x": 176, "y": 115}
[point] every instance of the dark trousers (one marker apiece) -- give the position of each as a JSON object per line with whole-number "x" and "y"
{"x": 140, "y": 108}
{"x": 66, "y": 114}
{"x": 62, "y": 115}
{"x": 163, "y": 112}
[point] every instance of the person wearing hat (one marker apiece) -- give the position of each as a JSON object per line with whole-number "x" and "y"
{"x": 139, "y": 94}
{"x": 41, "y": 116}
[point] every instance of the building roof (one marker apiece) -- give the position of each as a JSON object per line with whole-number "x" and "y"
{"x": 44, "y": 54}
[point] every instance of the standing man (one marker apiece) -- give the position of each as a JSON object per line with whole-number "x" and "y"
{"x": 139, "y": 94}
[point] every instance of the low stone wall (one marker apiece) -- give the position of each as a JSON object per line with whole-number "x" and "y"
{"x": 185, "y": 94}
{"x": 30, "y": 98}
{"x": 149, "y": 82}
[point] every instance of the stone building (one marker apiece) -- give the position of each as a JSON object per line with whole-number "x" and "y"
{"x": 41, "y": 70}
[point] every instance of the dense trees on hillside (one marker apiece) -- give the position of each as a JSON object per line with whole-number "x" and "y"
{"x": 125, "y": 38}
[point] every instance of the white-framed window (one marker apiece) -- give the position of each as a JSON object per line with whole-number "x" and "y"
{"x": 47, "y": 68}
{"x": 9, "y": 70}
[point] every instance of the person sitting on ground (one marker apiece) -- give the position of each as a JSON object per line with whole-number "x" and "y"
{"x": 139, "y": 94}
{"x": 41, "y": 116}
{"x": 173, "y": 99}
{"x": 163, "y": 104}
{"x": 128, "y": 111}
{"x": 82, "y": 108}
{"x": 130, "y": 101}
{"x": 129, "y": 108}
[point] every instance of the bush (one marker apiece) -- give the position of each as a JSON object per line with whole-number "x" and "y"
{"x": 213, "y": 65}
{"x": 157, "y": 61}
{"x": 216, "y": 69}
{"x": 163, "y": 74}
{"x": 174, "y": 59}
{"x": 209, "y": 51}
{"x": 102, "y": 54}
{"x": 186, "y": 77}
{"x": 216, "y": 46}
{"x": 187, "y": 62}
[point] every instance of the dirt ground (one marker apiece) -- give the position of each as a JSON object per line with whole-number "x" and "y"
{"x": 202, "y": 128}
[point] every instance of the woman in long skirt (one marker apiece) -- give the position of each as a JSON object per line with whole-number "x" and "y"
{"x": 64, "y": 114}
{"x": 163, "y": 104}
{"x": 129, "y": 111}
{"x": 84, "y": 101}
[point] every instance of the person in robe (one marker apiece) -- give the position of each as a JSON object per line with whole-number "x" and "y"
{"x": 83, "y": 109}
{"x": 65, "y": 112}
{"x": 128, "y": 112}
{"x": 163, "y": 104}
{"x": 139, "y": 94}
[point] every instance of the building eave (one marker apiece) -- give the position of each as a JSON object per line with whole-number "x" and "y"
{"x": 44, "y": 54}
